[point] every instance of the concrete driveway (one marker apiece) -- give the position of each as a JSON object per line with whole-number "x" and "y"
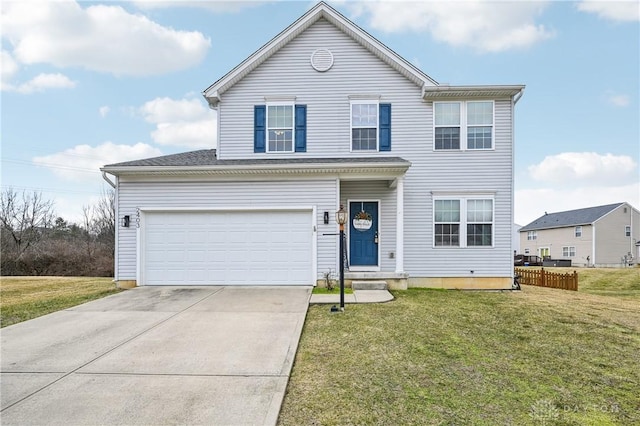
{"x": 155, "y": 355}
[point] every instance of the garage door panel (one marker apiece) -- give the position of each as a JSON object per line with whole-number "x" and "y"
{"x": 227, "y": 248}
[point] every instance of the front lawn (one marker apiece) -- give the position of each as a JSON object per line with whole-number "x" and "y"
{"x": 540, "y": 356}
{"x": 24, "y": 298}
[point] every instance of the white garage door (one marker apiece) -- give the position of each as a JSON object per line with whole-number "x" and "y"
{"x": 227, "y": 248}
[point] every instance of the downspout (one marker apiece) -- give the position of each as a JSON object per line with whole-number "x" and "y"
{"x": 115, "y": 237}
{"x": 109, "y": 181}
{"x": 518, "y": 96}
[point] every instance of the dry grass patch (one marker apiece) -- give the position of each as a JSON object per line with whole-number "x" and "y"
{"x": 23, "y": 298}
{"x": 451, "y": 357}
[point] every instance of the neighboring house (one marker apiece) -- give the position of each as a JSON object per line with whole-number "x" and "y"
{"x": 596, "y": 236}
{"x": 325, "y": 115}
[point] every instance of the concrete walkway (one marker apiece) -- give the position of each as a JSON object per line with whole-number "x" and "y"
{"x": 358, "y": 296}
{"x": 155, "y": 355}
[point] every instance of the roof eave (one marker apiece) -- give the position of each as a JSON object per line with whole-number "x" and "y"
{"x": 431, "y": 93}
{"x": 391, "y": 168}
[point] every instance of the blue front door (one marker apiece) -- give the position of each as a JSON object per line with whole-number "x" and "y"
{"x": 363, "y": 243}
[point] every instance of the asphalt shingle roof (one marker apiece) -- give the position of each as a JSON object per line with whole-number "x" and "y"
{"x": 570, "y": 217}
{"x": 207, "y": 157}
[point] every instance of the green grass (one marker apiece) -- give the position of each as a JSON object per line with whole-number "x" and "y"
{"x": 336, "y": 290}
{"x": 24, "y": 298}
{"x": 486, "y": 358}
{"x": 619, "y": 282}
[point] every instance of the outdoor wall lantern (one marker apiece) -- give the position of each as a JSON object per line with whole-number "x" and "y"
{"x": 326, "y": 218}
{"x": 341, "y": 218}
{"x": 126, "y": 220}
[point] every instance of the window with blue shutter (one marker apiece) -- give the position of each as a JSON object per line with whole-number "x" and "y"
{"x": 385, "y": 127}
{"x": 301, "y": 128}
{"x": 274, "y": 127}
{"x": 259, "y": 128}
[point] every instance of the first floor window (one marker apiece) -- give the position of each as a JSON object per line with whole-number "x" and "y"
{"x": 447, "y": 223}
{"x": 479, "y": 222}
{"x": 532, "y": 235}
{"x": 280, "y": 128}
{"x": 463, "y": 222}
{"x": 568, "y": 251}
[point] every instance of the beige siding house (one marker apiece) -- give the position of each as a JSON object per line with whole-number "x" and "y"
{"x": 602, "y": 236}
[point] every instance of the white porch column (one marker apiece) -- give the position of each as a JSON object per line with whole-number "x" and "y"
{"x": 400, "y": 224}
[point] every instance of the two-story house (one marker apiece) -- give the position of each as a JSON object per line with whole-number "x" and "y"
{"x": 606, "y": 235}
{"x": 325, "y": 115}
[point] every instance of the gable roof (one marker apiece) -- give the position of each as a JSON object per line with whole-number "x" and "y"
{"x": 577, "y": 217}
{"x": 205, "y": 162}
{"x": 321, "y": 10}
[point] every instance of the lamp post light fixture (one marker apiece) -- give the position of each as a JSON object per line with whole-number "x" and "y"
{"x": 341, "y": 218}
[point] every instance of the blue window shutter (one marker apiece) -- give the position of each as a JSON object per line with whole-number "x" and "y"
{"x": 301, "y": 128}
{"x": 259, "y": 128}
{"x": 385, "y": 127}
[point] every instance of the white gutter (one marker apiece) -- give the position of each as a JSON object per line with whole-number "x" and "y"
{"x": 518, "y": 96}
{"x": 109, "y": 181}
{"x": 238, "y": 168}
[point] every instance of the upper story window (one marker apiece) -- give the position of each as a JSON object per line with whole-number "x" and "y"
{"x": 463, "y": 222}
{"x": 364, "y": 126}
{"x": 532, "y": 235}
{"x": 578, "y": 231}
{"x": 370, "y": 125}
{"x": 470, "y": 121}
{"x": 280, "y": 128}
{"x": 627, "y": 231}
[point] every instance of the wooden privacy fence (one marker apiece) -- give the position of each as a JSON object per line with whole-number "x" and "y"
{"x": 542, "y": 278}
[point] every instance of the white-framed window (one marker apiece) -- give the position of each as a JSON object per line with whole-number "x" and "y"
{"x": 578, "y": 231}
{"x": 627, "y": 231}
{"x": 280, "y": 127}
{"x": 464, "y": 125}
{"x": 446, "y": 223}
{"x": 463, "y": 221}
{"x": 526, "y": 251}
{"x": 364, "y": 125}
{"x": 569, "y": 251}
{"x": 532, "y": 235}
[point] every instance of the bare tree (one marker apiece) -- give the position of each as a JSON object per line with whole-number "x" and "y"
{"x": 24, "y": 218}
{"x": 105, "y": 218}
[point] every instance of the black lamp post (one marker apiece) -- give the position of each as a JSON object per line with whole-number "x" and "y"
{"x": 341, "y": 218}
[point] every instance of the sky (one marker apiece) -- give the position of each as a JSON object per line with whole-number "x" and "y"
{"x": 86, "y": 84}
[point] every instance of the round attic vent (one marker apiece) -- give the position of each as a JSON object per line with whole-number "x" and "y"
{"x": 322, "y": 60}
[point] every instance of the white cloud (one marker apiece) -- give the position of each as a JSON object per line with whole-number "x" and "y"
{"x": 485, "y": 26}
{"x": 584, "y": 168}
{"x": 8, "y": 69}
{"x": 530, "y": 204}
{"x": 75, "y": 163}
{"x": 183, "y": 122}
{"x": 617, "y": 99}
{"x": 216, "y": 6}
{"x": 613, "y": 10}
{"x": 42, "y": 82}
{"x": 100, "y": 38}
{"x": 104, "y": 111}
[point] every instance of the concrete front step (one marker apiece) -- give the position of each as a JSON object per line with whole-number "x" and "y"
{"x": 369, "y": 285}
